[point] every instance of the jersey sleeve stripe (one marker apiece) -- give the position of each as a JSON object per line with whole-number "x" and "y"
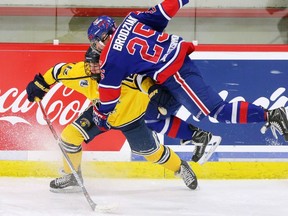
{"x": 56, "y": 70}
{"x": 110, "y": 102}
{"x": 170, "y": 8}
{"x": 109, "y": 96}
{"x": 163, "y": 12}
{"x": 109, "y": 86}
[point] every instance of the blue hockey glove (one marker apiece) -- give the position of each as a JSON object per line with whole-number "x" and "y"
{"x": 37, "y": 88}
{"x": 100, "y": 119}
{"x": 161, "y": 98}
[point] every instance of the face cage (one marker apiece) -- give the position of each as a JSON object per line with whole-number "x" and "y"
{"x": 87, "y": 68}
{"x": 93, "y": 43}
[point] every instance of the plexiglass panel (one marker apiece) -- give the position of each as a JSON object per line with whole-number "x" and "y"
{"x": 208, "y": 22}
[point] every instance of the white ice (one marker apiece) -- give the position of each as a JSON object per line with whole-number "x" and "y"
{"x": 149, "y": 197}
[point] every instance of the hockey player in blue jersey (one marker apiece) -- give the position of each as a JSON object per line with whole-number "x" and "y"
{"x": 139, "y": 46}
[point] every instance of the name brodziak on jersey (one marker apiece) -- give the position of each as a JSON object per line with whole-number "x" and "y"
{"x": 123, "y": 33}
{"x": 145, "y": 49}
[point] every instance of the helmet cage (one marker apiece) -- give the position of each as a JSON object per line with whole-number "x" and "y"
{"x": 88, "y": 68}
{"x": 92, "y": 60}
{"x": 98, "y": 44}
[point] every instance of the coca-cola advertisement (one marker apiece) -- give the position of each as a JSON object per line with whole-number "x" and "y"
{"x": 22, "y": 126}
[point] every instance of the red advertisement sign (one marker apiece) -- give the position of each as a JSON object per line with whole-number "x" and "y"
{"x": 22, "y": 126}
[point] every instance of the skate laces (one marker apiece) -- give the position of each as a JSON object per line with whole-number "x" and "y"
{"x": 275, "y": 126}
{"x": 63, "y": 180}
{"x": 275, "y": 122}
{"x": 186, "y": 175}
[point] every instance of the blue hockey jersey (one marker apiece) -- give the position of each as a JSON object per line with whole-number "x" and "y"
{"x": 139, "y": 46}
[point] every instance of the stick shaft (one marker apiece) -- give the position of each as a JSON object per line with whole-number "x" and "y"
{"x": 69, "y": 162}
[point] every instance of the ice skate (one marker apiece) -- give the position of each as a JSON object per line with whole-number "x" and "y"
{"x": 205, "y": 144}
{"x": 202, "y": 153}
{"x": 66, "y": 184}
{"x": 277, "y": 121}
{"x": 188, "y": 176}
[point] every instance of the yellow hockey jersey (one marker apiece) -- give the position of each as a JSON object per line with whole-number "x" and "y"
{"x": 132, "y": 103}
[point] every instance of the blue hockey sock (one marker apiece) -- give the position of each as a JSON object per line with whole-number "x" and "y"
{"x": 239, "y": 112}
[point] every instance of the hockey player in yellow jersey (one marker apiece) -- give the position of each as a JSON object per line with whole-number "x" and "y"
{"x": 127, "y": 117}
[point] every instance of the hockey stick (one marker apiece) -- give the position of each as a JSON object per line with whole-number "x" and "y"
{"x": 87, "y": 196}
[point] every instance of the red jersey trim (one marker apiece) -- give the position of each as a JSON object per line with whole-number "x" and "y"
{"x": 185, "y": 48}
{"x": 109, "y": 96}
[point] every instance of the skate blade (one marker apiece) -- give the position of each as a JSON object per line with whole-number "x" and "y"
{"x": 73, "y": 189}
{"x": 106, "y": 208}
{"x": 210, "y": 149}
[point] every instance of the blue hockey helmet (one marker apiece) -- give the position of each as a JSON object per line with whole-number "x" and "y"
{"x": 101, "y": 28}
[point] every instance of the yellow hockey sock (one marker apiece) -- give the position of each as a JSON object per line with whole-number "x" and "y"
{"x": 72, "y": 140}
{"x": 166, "y": 157}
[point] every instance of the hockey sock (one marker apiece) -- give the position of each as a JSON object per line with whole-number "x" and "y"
{"x": 75, "y": 159}
{"x": 239, "y": 112}
{"x": 71, "y": 141}
{"x": 172, "y": 127}
{"x": 165, "y": 157}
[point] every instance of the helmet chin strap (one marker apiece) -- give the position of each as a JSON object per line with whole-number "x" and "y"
{"x": 101, "y": 43}
{"x": 96, "y": 77}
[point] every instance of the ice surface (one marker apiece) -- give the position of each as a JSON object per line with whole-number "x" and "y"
{"x": 149, "y": 197}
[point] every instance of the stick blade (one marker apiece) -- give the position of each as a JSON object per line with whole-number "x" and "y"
{"x": 105, "y": 208}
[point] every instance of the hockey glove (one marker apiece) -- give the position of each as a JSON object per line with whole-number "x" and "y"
{"x": 37, "y": 88}
{"x": 161, "y": 98}
{"x": 100, "y": 119}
